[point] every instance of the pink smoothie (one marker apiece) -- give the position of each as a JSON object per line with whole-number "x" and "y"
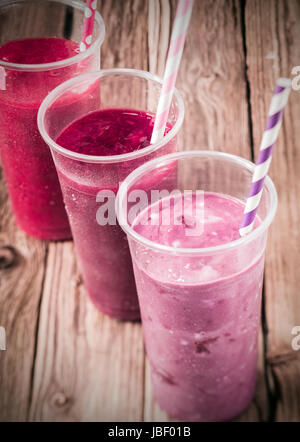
{"x": 200, "y": 314}
{"x": 27, "y": 163}
{"x": 102, "y": 249}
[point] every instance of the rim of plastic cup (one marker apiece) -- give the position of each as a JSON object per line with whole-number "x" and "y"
{"x": 158, "y": 162}
{"x": 62, "y": 63}
{"x": 69, "y": 84}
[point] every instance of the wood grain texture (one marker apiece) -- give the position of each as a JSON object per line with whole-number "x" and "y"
{"x": 32, "y": 20}
{"x": 273, "y": 48}
{"x": 211, "y": 79}
{"x": 67, "y": 362}
{"x": 22, "y": 267}
{"x": 88, "y": 367}
{"x": 126, "y": 42}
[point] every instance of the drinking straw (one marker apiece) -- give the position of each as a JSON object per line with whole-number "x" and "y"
{"x": 88, "y": 24}
{"x": 180, "y": 27}
{"x": 278, "y": 103}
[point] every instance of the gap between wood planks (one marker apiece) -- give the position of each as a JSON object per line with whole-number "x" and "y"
{"x": 36, "y": 335}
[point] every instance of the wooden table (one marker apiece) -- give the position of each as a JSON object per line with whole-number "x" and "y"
{"x": 65, "y": 361}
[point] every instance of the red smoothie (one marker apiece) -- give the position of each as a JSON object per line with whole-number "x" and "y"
{"x": 28, "y": 167}
{"x": 200, "y": 314}
{"x": 102, "y": 249}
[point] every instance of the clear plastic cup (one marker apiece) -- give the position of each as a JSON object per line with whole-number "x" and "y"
{"x": 102, "y": 250}
{"x": 200, "y": 307}
{"x": 29, "y": 171}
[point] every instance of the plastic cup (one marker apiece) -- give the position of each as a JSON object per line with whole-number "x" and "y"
{"x": 102, "y": 250}
{"x": 200, "y": 307}
{"x": 29, "y": 171}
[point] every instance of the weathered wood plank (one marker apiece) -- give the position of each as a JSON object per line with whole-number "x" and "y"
{"x": 273, "y": 48}
{"x": 125, "y": 45}
{"x": 22, "y": 267}
{"x": 89, "y": 367}
{"x": 212, "y": 82}
{"x": 36, "y": 20}
{"x": 211, "y": 79}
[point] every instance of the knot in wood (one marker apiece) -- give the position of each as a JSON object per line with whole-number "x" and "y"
{"x": 8, "y": 257}
{"x": 60, "y": 400}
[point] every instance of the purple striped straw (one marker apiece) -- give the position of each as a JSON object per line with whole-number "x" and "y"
{"x": 278, "y": 103}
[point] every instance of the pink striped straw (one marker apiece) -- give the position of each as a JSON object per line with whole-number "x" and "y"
{"x": 88, "y": 25}
{"x": 180, "y": 27}
{"x": 278, "y": 103}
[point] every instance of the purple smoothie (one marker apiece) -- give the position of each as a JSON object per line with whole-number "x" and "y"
{"x": 103, "y": 249}
{"x": 28, "y": 167}
{"x": 200, "y": 315}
